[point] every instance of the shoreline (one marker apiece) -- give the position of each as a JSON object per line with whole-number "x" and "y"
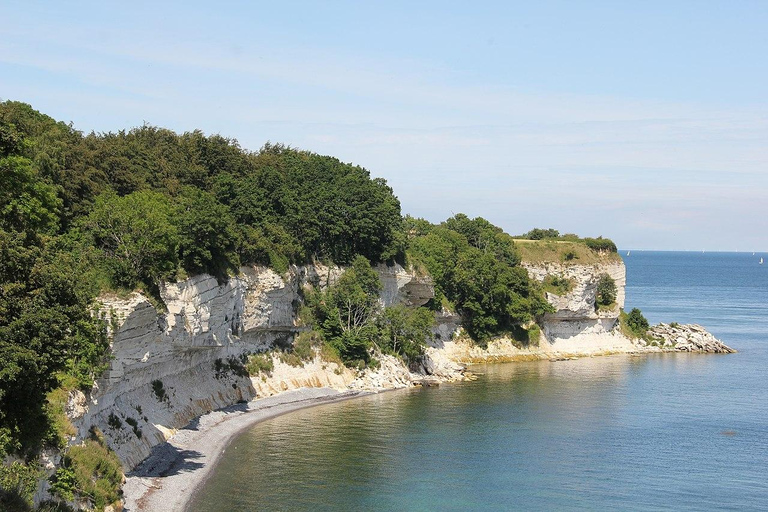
{"x": 168, "y": 479}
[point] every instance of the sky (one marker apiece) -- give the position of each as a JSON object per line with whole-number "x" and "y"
{"x": 645, "y": 122}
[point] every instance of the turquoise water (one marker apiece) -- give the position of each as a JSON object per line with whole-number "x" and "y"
{"x": 661, "y": 432}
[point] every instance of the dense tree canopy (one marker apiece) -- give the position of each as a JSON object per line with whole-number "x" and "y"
{"x": 81, "y": 213}
{"x": 475, "y": 266}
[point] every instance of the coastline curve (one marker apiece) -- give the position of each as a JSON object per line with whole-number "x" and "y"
{"x": 168, "y": 479}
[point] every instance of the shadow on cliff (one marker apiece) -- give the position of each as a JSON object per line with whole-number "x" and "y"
{"x": 167, "y": 460}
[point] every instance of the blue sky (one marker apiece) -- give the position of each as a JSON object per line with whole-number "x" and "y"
{"x": 646, "y": 122}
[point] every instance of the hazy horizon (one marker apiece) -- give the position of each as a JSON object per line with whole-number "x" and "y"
{"x": 647, "y": 124}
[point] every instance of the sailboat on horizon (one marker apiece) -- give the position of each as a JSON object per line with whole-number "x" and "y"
{"x": 761, "y": 261}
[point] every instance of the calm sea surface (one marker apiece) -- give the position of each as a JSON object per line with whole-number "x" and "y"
{"x": 663, "y": 432}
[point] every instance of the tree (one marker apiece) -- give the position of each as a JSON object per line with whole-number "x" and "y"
{"x": 601, "y": 245}
{"x": 208, "y": 237}
{"x": 46, "y": 327}
{"x": 137, "y": 236}
{"x": 355, "y": 296}
{"x": 605, "y": 294}
{"x": 637, "y": 322}
{"x": 541, "y": 234}
{"x": 27, "y": 203}
{"x": 479, "y": 275}
{"x": 346, "y": 311}
{"x": 404, "y": 331}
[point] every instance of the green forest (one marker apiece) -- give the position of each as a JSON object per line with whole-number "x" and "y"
{"x": 87, "y": 213}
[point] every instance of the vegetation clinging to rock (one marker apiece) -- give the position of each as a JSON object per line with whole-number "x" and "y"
{"x": 605, "y": 294}
{"x": 477, "y": 267}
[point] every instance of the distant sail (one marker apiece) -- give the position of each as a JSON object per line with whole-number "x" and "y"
{"x": 628, "y": 252}
{"x": 761, "y": 261}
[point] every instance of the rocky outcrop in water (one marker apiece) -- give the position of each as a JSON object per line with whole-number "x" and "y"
{"x": 689, "y": 338}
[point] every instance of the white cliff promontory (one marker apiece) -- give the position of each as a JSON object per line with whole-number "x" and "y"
{"x": 577, "y": 326}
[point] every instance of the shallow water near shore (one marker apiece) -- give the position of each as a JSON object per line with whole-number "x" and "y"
{"x": 665, "y": 431}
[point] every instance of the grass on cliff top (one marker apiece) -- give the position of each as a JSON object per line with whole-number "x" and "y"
{"x": 561, "y": 251}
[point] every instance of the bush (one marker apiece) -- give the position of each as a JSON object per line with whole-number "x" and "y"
{"x": 98, "y": 475}
{"x": 232, "y": 365}
{"x": 634, "y": 325}
{"x": 404, "y": 331}
{"x": 637, "y": 322}
{"x": 600, "y": 244}
{"x": 64, "y": 483}
{"x": 303, "y": 344}
{"x": 534, "y": 333}
{"x": 135, "y": 426}
{"x": 61, "y": 428}
{"x": 18, "y": 482}
{"x": 114, "y": 421}
{"x": 558, "y": 285}
{"x": 260, "y": 363}
{"x": 524, "y": 337}
{"x": 605, "y": 294}
{"x": 541, "y": 234}
{"x": 345, "y": 312}
{"x": 159, "y": 390}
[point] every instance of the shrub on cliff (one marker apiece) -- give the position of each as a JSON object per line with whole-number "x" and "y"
{"x": 600, "y": 244}
{"x": 559, "y": 285}
{"x": 541, "y": 234}
{"x": 89, "y": 472}
{"x": 18, "y": 482}
{"x": 605, "y": 294}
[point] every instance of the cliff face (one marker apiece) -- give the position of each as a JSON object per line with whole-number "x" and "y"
{"x": 168, "y": 367}
{"x": 174, "y": 365}
{"x": 576, "y": 321}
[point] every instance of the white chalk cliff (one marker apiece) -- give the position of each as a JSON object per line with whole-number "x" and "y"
{"x": 170, "y": 366}
{"x": 577, "y": 326}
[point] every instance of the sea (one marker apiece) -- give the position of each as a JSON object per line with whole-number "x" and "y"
{"x": 652, "y": 432}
